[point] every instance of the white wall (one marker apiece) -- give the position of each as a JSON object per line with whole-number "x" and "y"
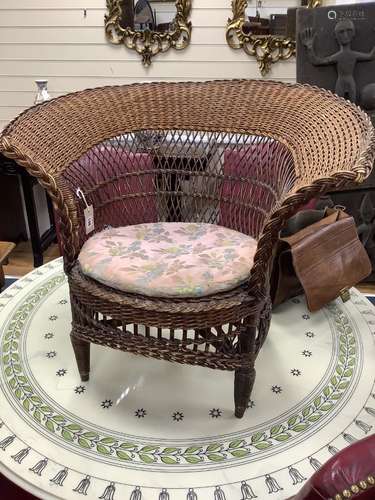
{"x": 52, "y": 39}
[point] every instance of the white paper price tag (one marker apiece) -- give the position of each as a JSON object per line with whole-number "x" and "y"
{"x": 89, "y": 219}
{"x": 88, "y": 212}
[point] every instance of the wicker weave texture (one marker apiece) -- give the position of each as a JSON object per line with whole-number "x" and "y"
{"x": 308, "y": 120}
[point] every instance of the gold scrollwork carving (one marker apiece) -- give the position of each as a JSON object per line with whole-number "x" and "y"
{"x": 267, "y": 49}
{"x": 149, "y": 43}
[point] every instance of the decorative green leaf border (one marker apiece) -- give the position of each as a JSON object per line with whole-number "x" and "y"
{"x": 132, "y": 452}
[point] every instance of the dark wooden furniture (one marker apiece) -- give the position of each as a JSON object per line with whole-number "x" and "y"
{"x": 12, "y": 221}
{"x": 266, "y": 164}
{"x": 13, "y": 225}
{"x": 5, "y": 248}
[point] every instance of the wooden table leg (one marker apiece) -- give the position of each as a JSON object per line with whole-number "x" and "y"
{"x": 5, "y": 248}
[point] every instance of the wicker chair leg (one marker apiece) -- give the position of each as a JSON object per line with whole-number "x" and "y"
{"x": 264, "y": 325}
{"x": 244, "y": 377}
{"x": 243, "y": 385}
{"x": 82, "y": 353}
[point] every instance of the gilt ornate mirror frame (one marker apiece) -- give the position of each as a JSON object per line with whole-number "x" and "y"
{"x": 267, "y": 49}
{"x": 149, "y": 43}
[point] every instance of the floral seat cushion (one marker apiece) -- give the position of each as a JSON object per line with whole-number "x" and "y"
{"x": 169, "y": 259}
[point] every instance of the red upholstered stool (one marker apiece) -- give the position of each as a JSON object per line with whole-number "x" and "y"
{"x": 349, "y": 474}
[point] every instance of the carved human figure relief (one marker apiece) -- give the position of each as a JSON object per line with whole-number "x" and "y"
{"x": 345, "y": 59}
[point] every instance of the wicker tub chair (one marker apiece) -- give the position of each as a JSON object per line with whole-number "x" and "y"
{"x": 241, "y": 156}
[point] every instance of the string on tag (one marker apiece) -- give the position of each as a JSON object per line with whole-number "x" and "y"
{"x": 80, "y": 194}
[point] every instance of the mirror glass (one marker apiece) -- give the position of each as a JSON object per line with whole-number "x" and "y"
{"x": 141, "y": 15}
{"x": 263, "y": 18}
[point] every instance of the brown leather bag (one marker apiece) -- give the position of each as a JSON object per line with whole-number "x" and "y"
{"x": 318, "y": 253}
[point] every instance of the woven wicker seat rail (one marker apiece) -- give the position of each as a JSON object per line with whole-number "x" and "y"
{"x": 240, "y": 154}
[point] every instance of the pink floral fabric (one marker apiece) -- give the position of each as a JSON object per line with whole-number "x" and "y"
{"x": 169, "y": 259}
